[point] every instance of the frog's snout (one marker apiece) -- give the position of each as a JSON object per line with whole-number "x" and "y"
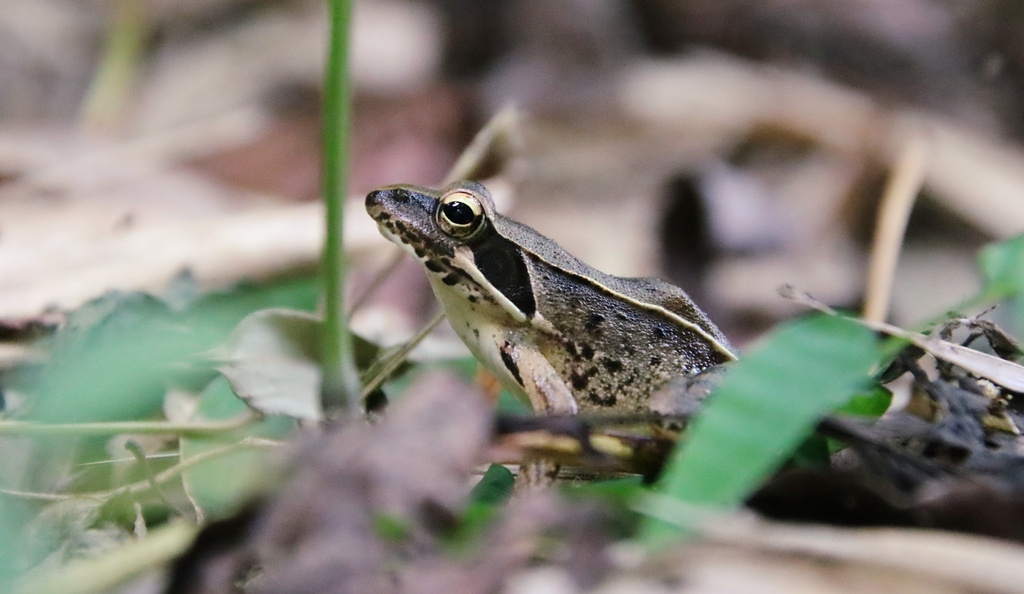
{"x": 379, "y": 199}
{"x": 375, "y": 200}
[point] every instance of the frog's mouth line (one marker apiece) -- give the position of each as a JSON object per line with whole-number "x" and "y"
{"x": 399, "y": 240}
{"x": 443, "y": 270}
{"x": 440, "y": 267}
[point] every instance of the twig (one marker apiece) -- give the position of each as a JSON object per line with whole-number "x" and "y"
{"x": 499, "y": 126}
{"x": 893, "y": 213}
{"x": 135, "y": 449}
{"x": 142, "y": 486}
{"x": 109, "y": 89}
{"x": 393, "y": 261}
{"x": 398, "y": 356}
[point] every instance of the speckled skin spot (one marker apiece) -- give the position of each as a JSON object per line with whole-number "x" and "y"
{"x": 614, "y": 360}
{"x": 510, "y": 364}
{"x": 602, "y": 401}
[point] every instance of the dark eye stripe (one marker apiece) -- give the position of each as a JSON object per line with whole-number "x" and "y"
{"x": 504, "y": 266}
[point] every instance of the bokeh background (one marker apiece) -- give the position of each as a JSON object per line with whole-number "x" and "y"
{"x": 159, "y": 180}
{"x": 730, "y": 147}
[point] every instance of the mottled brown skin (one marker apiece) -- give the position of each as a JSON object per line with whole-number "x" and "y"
{"x": 557, "y": 332}
{"x": 615, "y": 356}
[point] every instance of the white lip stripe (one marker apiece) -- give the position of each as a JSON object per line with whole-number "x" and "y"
{"x": 473, "y": 273}
{"x": 399, "y": 241}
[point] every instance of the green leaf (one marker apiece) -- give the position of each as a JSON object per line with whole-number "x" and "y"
{"x": 220, "y": 485}
{"x": 14, "y": 514}
{"x": 813, "y": 452}
{"x": 391, "y": 527}
{"x": 494, "y": 488}
{"x": 1002, "y": 267}
{"x": 117, "y": 353}
{"x": 620, "y": 493}
{"x": 272, "y": 361}
{"x": 765, "y": 408}
{"x": 871, "y": 403}
{"x": 109, "y": 361}
{"x": 111, "y": 571}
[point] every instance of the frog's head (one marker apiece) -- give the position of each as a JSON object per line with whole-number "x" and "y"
{"x": 453, "y": 232}
{"x": 431, "y": 223}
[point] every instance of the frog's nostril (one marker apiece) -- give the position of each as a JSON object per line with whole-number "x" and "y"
{"x": 379, "y": 198}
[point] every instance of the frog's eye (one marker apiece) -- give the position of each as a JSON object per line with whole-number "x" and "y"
{"x": 460, "y": 214}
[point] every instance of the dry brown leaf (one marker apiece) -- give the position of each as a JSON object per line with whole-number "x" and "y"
{"x": 971, "y": 172}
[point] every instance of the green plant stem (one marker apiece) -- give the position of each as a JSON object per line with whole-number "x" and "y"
{"x": 120, "y": 427}
{"x": 340, "y": 388}
{"x": 140, "y": 458}
{"x": 147, "y": 485}
{"x": 109, "y": 90}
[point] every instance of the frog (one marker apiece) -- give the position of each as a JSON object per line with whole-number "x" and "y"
{"x": 562, "y": 336}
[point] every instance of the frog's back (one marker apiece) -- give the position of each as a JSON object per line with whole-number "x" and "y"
{"x": 674, "y": 300}
{"x": 617, "y": 339}
{"x": 649, "y": 292}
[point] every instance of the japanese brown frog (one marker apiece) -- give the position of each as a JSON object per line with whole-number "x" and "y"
{"x": 556, "y": 332}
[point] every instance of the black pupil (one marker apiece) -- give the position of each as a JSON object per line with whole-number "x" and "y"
{"x": 459, "y": 213}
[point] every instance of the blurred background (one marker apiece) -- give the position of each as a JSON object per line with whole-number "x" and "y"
{"x": 730, "y": 147}
{"x": 169, "y": 151}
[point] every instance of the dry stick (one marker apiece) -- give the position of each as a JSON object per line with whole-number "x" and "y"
{"x": 385, "y": 271}
{"x": 897, "y": 201}
{"x": 1008, "y": 374}
{"x": 500, "y": 125}
{"x": 110, "y": 88}
{"x": 178, "y": 469}
{"x": 36, "y": 496}
{"x": 155, "y": 456}
{"x": 396, "y": 358}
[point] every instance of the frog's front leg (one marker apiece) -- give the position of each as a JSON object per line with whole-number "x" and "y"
{"x": 548, "y": 395}
{"x": 540, "y": 381}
